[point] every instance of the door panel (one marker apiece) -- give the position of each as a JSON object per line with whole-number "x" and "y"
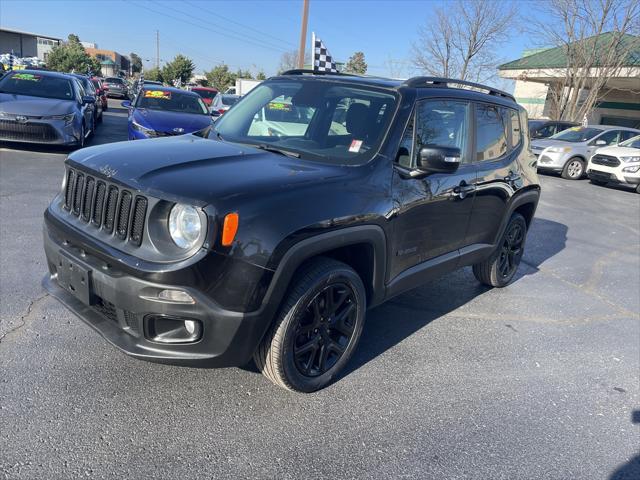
{"x": 432, "y": 212}
{"x": 498, "y": 131}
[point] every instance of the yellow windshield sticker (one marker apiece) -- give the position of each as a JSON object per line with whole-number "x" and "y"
{"x": 157, "y": 94}
{"x": 575, "y": 129}
{"x": 285, "y": 107}
{"x": 27, "y": 76}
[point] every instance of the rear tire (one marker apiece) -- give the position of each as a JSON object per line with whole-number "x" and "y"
{"x": 500, "y": 268}
{"x": 638, "y": 188}
{"x": 317, "y": 328}
{"x": 573, "y": 169}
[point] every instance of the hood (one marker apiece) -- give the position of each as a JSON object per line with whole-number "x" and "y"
{"x": 549, "y": 142}
{"x": 616, "y": 151}
{"x": 162, "y": 121}
{"x": 200, "y": 170}
{"x": 34, "y": 106}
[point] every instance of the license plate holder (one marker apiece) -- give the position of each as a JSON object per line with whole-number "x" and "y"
{"x": 75, "y": 279}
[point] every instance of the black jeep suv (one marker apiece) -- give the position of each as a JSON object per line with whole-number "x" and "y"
{"x": 314, "y": 198}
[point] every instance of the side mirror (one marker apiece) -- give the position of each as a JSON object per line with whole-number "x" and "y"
{"x": 126, "y": 104}
{"x": 600, "y": 142}
{"x": 88, "y": 99}
{"x": 439, "y": 159}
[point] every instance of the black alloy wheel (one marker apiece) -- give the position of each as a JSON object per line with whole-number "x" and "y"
{"x": 324, "y": 329}
{"x": 317, "y": 328}
{"x": 499, "y": 269}
{"x": 511, "y": 251}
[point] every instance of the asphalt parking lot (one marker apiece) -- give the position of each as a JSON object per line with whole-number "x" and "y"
{"x": 451, "y": 380}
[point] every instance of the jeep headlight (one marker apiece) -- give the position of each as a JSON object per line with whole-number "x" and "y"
{"x": 633, "y": 159}
{"x": 559, "y": 149}
{"x": 185, "y": 226}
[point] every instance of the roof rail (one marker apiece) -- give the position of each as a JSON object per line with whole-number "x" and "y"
{"x": 303, "y": 71}
{"x": 445, "y": 82}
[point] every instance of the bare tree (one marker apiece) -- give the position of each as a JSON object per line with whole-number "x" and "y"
{"x": 289, "y": 60}
{"x": 597, "y": 40}
{"x": 461, "y": 39}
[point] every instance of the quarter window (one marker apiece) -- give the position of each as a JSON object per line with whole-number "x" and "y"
{"x": 515, "y": 128}
{"x": 442, "y": 123}
{"x": 491, "y": 132}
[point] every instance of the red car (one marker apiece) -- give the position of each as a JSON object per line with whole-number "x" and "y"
{"x": 206, "y": 93}
{"x": 101, "y": 91}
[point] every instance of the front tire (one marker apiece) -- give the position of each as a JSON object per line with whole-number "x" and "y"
{"x": 317, "y": 329}
{"x": 500, "y": 268}
{"x": 573, "y": 169}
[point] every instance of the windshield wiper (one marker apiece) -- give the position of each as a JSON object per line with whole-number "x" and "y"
{"x": 270, "y": 148}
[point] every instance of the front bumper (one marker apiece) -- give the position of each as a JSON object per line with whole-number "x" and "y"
{"x": 552, "y": 161}
{"x": 121, "y": 306}
{"x": 603, "y": 173}
{"x": 52, "y": 132}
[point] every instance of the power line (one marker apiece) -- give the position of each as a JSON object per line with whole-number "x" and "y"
{"x": 223, "y": 33}
{"x": 217, "y": 15}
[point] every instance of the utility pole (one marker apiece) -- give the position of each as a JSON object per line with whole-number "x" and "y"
{"x": 157, "y": 50}
{"x": 303, "y": 33}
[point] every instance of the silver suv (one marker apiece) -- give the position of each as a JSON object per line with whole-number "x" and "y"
{"x": 569, "y": 151}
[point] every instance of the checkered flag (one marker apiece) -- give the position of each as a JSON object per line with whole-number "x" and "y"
{"x": 141, "y": 79}
{"x": 11, "y": 60}
{"x": 322, "y": 59}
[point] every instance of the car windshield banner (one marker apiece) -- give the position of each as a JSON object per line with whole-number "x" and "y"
{"x": 27, "y": 76}
{"x": 157, "y": 94}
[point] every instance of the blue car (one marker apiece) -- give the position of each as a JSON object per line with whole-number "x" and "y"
{"x": 165, "y": 111}
{"x": 45, "y": 107}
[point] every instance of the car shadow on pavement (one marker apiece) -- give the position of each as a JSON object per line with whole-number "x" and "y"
{"x": 631, "y": 469}
{"x": 400, "y": 317}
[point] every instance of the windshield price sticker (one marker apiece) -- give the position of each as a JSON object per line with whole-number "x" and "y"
{"x": 27, "y": 76}
{"x": 157, "y": 94}
{"x": 355, "y": 146}
{"x": 286, "y": 107}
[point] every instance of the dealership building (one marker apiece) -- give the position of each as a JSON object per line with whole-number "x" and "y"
{"x": 26, "y": 44}
{"x": 539, "y": 72}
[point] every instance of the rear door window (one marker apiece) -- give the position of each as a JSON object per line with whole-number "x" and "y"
{"x": 491, "y": 132}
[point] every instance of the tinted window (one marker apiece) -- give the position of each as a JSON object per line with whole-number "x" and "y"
{"x": 405, "y": 157}
{"x": 626, "y": 135}
{"x": 633, "y": 142}
{"x": 611, "y": 137}
{"x": 516, "y": 134}
{"x": 114, "y": 80}
{"x": 442, "y": 123}
{"x": 491, "y": 132}
{"x": 544, "y": 132}
{"x": 229, "y": 99}
{"x": 37, "y": 85}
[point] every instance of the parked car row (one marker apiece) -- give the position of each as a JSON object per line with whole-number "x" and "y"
{"x": 604, "y": 153}
{"x": 38, "y": 106}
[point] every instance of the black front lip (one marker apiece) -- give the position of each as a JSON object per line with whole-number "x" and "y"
{"x": 229, "y": 338}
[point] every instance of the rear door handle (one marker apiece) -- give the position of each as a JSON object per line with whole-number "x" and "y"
{"x": 512, "y": 177}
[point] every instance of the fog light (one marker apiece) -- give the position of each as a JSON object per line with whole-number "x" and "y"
{"x": 165, "y": 329}
{"x": 176, "y": 296}
{"x": 190, "y": 326}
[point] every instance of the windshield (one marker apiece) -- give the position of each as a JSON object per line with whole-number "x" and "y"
{"x": 633, "y": 142}
{"x": 206, "y": 93}
{"x": 37, "y": 85}
{"x": 577, "y": 134}
{"x": 322, "y": 121}
{"x": 171, "y": 101}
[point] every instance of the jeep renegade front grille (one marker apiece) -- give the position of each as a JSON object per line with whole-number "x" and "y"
{"x": 106, "y": 206}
